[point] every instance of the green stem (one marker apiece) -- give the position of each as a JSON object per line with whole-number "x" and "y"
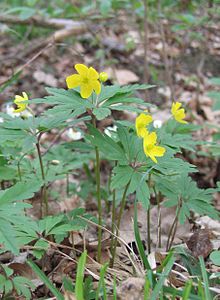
{"x": 157, "y": 195}
{"x": 98, "y": 194}
{"x": 19, "y": 171}
{"x": 173, "y": 229}
{"x": 3, "y": 185}
{"x": 67, "y": 185}
{"x": 113, "y": 220}
{"x": 44, "y": 198}
{"x": 148, "y": 231}
{"x": 123, "y": 201}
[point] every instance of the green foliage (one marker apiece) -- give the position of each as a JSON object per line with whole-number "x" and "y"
{"x": 18, "y": 284}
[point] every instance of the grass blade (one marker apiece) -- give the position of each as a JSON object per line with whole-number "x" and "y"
{"x": 138, "y": 240}
{"x": 159, "y": 286}
{"x": 47, "y": 282}
{"x": 208, "y": 295}
{"x": 102, "y": 283}
{"x": 187, "y": 290}
{"x": 80, "y": 276}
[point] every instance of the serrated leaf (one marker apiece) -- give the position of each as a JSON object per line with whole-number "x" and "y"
{"x": 106, "y": 145}
{"x": 7, "y": 236}
{"x": 20, "y": 191}
{"x": 101, "y": 113}
{"x": 122, "y": 175}
{"x": 131, "y": 88}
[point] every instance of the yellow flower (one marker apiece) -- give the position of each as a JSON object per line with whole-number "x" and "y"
{"x": 87, "y": 79}
{"x": 20, "y": 106}
{"x": 141, "y": 122}
{"x": 150, "y": 148}
{"x": 178, "y": 112}
{"x": 103, "y": 76}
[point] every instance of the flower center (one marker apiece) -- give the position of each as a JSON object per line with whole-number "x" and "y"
{"x": 85, "y": 80}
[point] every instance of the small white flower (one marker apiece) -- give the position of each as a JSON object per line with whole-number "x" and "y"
{"x": 157, "y": 123}
{"x": 25, "y": 114}
{"x": 10, "y": 111}
{"x": 110, "y": 130}
{"x": 1, "y": 120}
{"x": 74, "y": 135}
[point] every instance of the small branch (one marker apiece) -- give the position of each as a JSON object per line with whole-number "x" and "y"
{"x": 41, "y": 22}
{"x": 165, "y": 53}
{"x": 146, "y": 40}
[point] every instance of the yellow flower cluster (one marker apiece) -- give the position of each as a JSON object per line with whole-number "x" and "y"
{"x": 88, "y": 79}
{"x": 18, "y": 102}
{"x": 178, "y": 112}
{"x": 149, "y": 139}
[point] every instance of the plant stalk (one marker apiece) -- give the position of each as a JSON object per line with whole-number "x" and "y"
{"x": 98, "y": 194}
{"x": 123, "y": 201}
{"x": 173, "y": 229}
{"x": 44, "y": 198}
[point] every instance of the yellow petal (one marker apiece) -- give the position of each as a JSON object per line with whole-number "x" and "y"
{"x": 175, "y": 107}
{"x": 150, "y": 139}
{"x": 25, "y": 96}
{"x": 96, "y": 86}
{"x": 141, "y": 122}
{"x": 73, "y": 81}
{"x": 20, "y": 108}
{"x": 92, "y": 73}
{"x": 158, "y": 151}
{"x": 81, "y": 69}
{"x": 86, "y": 90}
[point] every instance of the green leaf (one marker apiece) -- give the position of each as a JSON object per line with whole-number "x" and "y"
{"x": 101, "y": 113}
{"x": 7, "y": 237}
{"x": 38, "y": 253}
{"x": 205, "y": 279}
{"x": 143, "y": 194}
{"x": 215, "y": 257}
{"x": 80, "y": 276}
{"x": 106, "y": 145}
{"x": 20, "y": 191}
{"x": 108, "y": 92}
{"x": 133, "y": 87}
{"x": 122, "y": 175}
{"x": 159, "y": 286}
{"x": 45, "y": 279}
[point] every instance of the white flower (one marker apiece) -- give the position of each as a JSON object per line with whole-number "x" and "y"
{"x": 10, "y": 111}
{"x": 157, "y": 124}
{"x": 110, "y": 130}
{"x": 74, "y": 135}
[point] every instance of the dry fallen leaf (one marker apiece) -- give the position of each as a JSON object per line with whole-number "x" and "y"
{"x": 131, "y": 289}
{"x": 124, "y": 76}
{"x": 199, "y": 243}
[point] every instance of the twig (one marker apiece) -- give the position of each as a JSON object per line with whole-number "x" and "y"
{"x": 165, "y": 55}
{"x": 41, "y": 22}
{"x": 146, "y": 40}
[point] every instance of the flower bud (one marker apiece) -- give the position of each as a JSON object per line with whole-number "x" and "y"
{"x": 103, "y": 76}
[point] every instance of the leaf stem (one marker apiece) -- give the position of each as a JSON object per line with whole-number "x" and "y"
{"x": 173, "y": 228}
{"x": 44, "y": 198}
{"x": 98, "y": 194}
{"x": 123, "y": 201}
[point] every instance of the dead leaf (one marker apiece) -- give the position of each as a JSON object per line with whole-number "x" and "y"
{"x": 168, "y": 215}
{"x": 131, "y": 289}
{"x": 47, "y": 79}
{"x": 200, "y": 244}
{"x": 124, "y": 76}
